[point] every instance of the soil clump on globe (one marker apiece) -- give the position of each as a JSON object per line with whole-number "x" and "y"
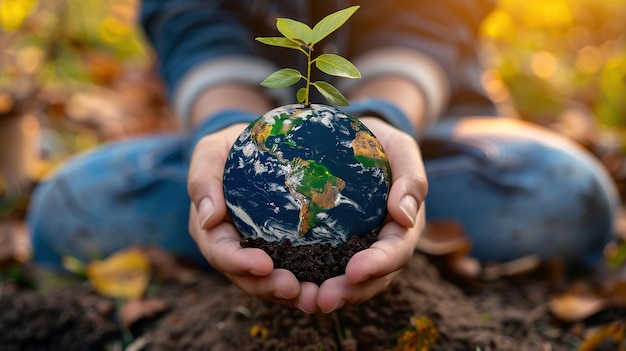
{"x": 308, "y": 185}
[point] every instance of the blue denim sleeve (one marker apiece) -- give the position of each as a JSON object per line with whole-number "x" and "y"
{"x": 184, "y": 33}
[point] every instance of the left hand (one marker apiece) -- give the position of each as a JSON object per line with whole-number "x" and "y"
{"x": 369, "y": 272}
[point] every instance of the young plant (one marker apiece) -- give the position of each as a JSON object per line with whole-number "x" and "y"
{"x": 301, "y": 37}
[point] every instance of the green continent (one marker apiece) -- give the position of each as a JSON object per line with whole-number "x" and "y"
{"x": 280, "y": 127}
{"x": 261, "y": 130}
{"x": 316, "y": 189}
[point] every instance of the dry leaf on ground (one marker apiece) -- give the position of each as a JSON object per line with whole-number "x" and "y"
{"x": 125, "y": 274}
{"x": 136, "y": 309}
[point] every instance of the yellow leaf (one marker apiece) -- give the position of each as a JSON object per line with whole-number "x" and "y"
{"x": 259, "y": 331}
{"x": 123, "y": 275}
{"x": 421, "y": 336}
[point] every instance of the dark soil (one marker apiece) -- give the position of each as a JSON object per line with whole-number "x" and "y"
{"x": 314, "y": 262}
{"x": 206, "y": 312}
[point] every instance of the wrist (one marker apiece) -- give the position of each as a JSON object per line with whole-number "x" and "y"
{"x": 383, "y": 109}
{"x": 216, "y": 122}
{"x": 229, "y": 96}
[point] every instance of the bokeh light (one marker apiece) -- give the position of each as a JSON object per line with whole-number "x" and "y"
{"x": 557, "y": 55}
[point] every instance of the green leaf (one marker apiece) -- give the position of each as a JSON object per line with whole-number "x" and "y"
{"x": 294, "y": 30}
{"x": 282, "y": 78}
{"x": 336, "y": 65}
{"x": 301, "y": 94}
{"x": 330, "y": 23}
{"x": 330, "y": 93}
{"x": 279, "y": 41}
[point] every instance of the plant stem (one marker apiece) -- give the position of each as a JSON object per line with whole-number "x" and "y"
{"x": 308, "y": 77}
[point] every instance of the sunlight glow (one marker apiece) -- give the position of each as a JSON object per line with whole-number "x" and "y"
{"x": 543, "y": 64}
{"x": 589, "y": 60}
{"x": 14, "y": 12}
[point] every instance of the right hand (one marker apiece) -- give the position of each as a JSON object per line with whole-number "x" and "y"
{"x": 217, "y": 238}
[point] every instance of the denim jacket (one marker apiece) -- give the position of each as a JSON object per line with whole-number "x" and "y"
{"x": 432, "y": 42}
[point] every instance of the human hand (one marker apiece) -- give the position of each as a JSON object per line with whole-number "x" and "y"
{"x": 217, "y": 238}
{"x": 369, "y": 272}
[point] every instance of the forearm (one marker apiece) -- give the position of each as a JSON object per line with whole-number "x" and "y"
{"x": 205, "y": 50}
{"x": 401, "y": 92}
{"x": 229, "y": 96}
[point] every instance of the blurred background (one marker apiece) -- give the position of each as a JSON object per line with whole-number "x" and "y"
{"x": 77, "y": 73}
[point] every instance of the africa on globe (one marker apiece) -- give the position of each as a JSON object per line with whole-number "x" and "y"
{"x": 308, "y": 174}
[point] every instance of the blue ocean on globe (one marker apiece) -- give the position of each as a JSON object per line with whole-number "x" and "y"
{"x": 310, "y": 174}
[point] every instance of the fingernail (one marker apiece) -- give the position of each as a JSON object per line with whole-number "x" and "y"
{"x": 408, "y": 206}
{"x": 280, "y": 296}
{"x": 205, "y": 211}
{"x": 337, "y": 306}
{"x": 303, "y": 309}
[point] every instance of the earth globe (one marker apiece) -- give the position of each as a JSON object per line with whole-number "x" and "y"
{"x": 307, "y": 175}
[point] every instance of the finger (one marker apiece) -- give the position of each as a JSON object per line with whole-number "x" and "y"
{"x": 280, "y": 285}
{"x": 206, "y": 171}
{"x": 307, "y": 300}
{"x": 409, "y": 185}
{"x": 394, "y": 248}
{"x": 222, "y": 249}
{"x": 337, "y": 292}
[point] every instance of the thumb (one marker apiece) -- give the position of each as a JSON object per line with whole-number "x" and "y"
{"x": 206, "y": 170}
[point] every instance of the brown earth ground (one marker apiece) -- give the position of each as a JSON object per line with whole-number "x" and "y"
{"x": 205, "y": 312}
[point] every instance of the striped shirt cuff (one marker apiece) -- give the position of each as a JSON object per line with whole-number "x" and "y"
{"x": 231, "y": 69}
{"x": 420, "y": 69}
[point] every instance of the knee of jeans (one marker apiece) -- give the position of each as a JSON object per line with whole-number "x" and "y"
{"x": 566, "y": 204}
{"x": 108, "y": 200}
{"x": 46, "y": 208}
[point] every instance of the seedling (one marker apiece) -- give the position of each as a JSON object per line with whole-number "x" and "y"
{"x": 301, "y": 37}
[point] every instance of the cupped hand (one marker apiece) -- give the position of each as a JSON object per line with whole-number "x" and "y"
{"x": 217, "y": 238}
{"x": 368, "y": 273}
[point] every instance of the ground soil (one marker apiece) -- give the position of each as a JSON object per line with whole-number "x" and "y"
{"x": 206, "y": 312}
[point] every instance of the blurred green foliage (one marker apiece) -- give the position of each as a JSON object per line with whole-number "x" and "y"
{"x": 68, "y": 41}
{"x": 544, "y": 54}
{"x": 67, "y": 65}
{"x": 551, "y": 54}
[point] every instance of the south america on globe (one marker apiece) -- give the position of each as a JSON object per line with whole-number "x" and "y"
{"x": 307, "y": 176}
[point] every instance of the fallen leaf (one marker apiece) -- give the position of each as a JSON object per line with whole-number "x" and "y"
{"x": 518, "y": 266}
{"x": 573, "y": 307}
{"x": 615, "y": 331}
{"x": 259, "y": 331}
{"x": 442, "y": 238}
{"x": 123, "y": 275}
{"x": 421, "y": 336}
{"x": 134, "y": 310}
{"x": 447, "y": 240}
{"x": 466, "y": 266}
{"x": 73, "y": 265}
